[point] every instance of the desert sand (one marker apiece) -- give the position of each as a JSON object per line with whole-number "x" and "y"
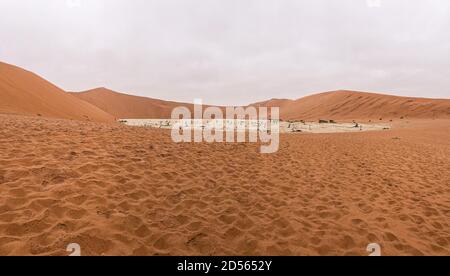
{"x": 22, "y": 92}
{"x": 120, "y": 190}
{"x": 69, "y": 173}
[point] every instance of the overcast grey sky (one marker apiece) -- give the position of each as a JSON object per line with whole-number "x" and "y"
{"x": 232, "y": 51}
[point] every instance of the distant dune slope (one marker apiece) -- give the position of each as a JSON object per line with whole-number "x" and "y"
{"x": 127, "y": 106}
{"x": 273, "y": 103}
{"x": 22, "y": 92}
{"x": 348, "y": 105}
{"x": 338, "y": 105}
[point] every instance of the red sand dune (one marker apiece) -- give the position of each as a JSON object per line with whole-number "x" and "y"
{"x": 22, "y": 92}
{"x": 348, "y": 105}
{"x": 273, "y": 103}
{"x": 339, "y": 105}
{"x": 127, "y": 106}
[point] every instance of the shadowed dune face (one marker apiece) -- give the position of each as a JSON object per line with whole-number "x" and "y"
{"x": 349, "y": 105}
{"x": 119, "y": 190}
{"x": 22, "y": 92}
